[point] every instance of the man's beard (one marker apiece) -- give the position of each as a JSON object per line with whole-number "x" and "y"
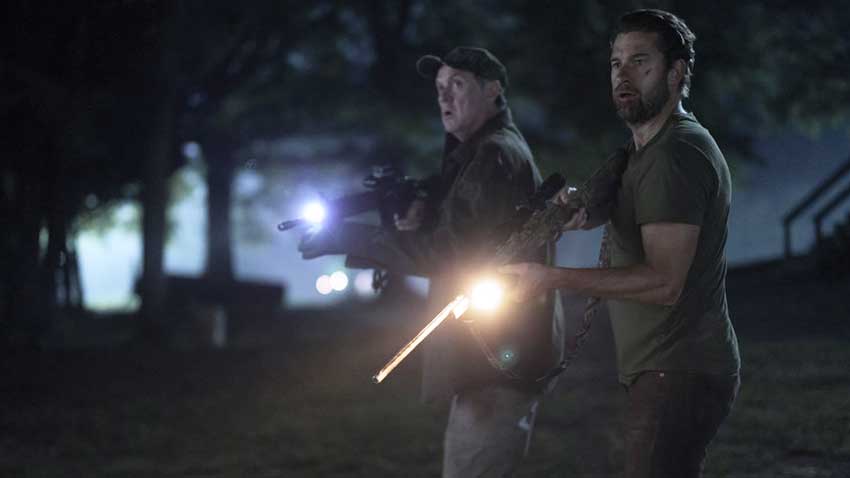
{"x": 646, "y": 108}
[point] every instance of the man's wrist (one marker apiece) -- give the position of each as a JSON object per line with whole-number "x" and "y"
{"x": 556, "y": 277}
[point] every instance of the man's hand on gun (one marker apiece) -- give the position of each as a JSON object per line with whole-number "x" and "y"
{"x": 413, "y": 218}
{"x": 579, "y": 219}
{"x": 328, "y": 239}
{"x": 321, "y": 242}
{"x": 532, "y": 279}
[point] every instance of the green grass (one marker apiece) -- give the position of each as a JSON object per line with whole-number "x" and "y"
{"x": 306, "y": 408}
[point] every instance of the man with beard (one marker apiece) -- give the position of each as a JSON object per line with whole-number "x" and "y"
{"x": 677, "y": 352}
{"x": 487, "y": 171}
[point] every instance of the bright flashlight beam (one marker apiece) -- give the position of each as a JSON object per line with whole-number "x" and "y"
{"x": 314, "y": 213}
{"x": 487, "y": 295}
{"x": 456, "y": 308}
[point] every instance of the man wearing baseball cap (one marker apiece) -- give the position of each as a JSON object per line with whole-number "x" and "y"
{"x": 490, "y": 374}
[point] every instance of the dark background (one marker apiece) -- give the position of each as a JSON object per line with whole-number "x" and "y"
{"x": 111, "y": 104}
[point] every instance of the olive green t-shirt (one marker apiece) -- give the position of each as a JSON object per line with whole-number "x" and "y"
{"x": 680, "y": 176}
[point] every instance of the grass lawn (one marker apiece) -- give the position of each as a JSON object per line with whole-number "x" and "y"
{"x": 304, "y": 406}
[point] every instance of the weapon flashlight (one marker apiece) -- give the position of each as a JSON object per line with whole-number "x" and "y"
{"x": 314, "y": 213}
{"x": 487, "y": 294}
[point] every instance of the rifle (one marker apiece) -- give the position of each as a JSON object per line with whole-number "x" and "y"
{"x": 389, "y": 192}
{"x": 532, "y": 227}
{"x": 457, "y": 307}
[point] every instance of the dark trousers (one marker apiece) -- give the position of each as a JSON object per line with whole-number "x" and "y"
{"x": 671, "y": 418}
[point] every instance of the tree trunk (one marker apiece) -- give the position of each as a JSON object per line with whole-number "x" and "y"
{"x": 22, "y": 305}
{"x": 73, "y": 285}
{"x": 8, "y": 188}
{"x": 220, "y": 172}
{"x": 155, "y": 180}
{"x": 25, "y": 193}
{"x": 54, "y": 214}
{"x": 154, "y": 205}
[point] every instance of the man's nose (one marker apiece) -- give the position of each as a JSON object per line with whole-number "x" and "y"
{"x": 444, "y": 96}
{"x": 619, "y": 77}
{"x": 622, "y": 73}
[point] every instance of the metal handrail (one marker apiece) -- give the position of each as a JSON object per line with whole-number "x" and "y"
{"x": 808, "y": 201}
{"x": 826, "y": 209}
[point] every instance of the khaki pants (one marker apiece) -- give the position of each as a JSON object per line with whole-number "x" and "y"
{"x": 488, "y": 433}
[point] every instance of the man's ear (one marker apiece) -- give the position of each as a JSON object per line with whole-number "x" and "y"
{"x": 676, "y": 74}
{"x": 492, "y": 89}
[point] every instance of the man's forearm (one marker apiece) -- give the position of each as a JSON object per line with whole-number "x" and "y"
{"x": 639, "y": 282}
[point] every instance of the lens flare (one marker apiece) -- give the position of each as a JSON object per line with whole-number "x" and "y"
{"x": 339, "y": 281}
{"x": 487, "y": 295}
{"x": 507, "y": 356}
{"x": 314, "y": 213}
{"x": 323, "y": 284}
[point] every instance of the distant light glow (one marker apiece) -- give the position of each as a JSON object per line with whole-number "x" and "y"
{"x": 192, "y": 150}
{"x": 363, "y": 284}
{"x": 248, "y": 183}
{"x": 91, "y": 201}
{"x": 314, "y": 213}
{"x": 43, "y": 241}
{"x": 487, "y": 295}
{"x": 298, "y": 60}
{"x": 339, "y": 281}
{"x": 323, "y": 284}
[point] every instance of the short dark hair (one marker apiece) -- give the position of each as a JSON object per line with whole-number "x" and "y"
{"x": 675, "y": 39}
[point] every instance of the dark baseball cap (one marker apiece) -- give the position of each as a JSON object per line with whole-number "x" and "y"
{"x": 472, "y": 59}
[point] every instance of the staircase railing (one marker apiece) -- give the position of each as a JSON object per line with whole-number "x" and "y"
{"x": 809, "y": 200}
{"x": 825, "y": 210}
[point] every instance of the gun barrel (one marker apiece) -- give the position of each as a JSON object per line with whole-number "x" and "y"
{"x": 340, "y": 208}
{"x": 290, "y": 224}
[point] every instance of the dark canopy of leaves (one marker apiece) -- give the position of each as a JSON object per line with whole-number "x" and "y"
{"x": 270, "y": 69}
